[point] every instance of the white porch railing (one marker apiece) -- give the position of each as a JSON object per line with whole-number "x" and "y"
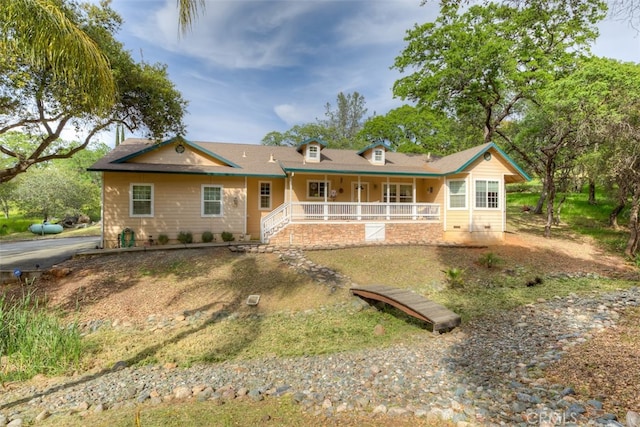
{"x": 320, "y": 211}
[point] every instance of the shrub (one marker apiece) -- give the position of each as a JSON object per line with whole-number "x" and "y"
{"x": 227, "y": 236}
{"x": 489, "y": 260}
{"x": 207, "y": 237}
{"x": 185, "y": 237}
{"x": 453, "y": 276}
{"x": 163, "y": 239}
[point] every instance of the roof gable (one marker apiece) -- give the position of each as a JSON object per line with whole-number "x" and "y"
{"x": 175, "y": 151}
{"x": 462, "y": 160}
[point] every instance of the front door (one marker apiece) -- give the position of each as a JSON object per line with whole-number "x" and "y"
{"x": 363, "y": 188}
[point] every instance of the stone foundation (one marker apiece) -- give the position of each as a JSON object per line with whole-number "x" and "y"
{"x": 337, "y": 234}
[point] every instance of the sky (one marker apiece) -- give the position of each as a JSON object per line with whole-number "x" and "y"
{"x": 251, "y": 67}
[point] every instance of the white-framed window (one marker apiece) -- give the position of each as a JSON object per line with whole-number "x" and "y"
{"x": 211, "y": 200}
{"x": 398, "y": 193}
{"x": 141, "y": 200}
{"x": 378, "y": 156}
{"x": 317, "y": 189}
{"x": 487, "y": 194}
{"x": 457, "y": 194}
{"x": 313, "y": 153}
{"x": 264, "y": 202}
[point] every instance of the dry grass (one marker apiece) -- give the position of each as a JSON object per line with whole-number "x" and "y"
{"x": 606, "y": 367}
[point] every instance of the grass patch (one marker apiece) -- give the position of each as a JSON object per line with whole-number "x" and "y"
{"x": 228, "y": 337}
{"x": 578, "y": 216}
{"x": 16, "y": 224}
{"x": 34, "y": 341}
{"x": 483, "y": 291}
{"x": 270, "y": 412}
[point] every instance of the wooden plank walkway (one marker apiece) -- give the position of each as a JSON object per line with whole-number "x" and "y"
{"x": 411, "y": 303}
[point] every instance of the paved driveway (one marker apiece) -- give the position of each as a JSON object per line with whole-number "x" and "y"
{"x": 42, "y": 253}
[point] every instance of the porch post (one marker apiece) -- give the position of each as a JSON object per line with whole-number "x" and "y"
{"x": 414, "y": 208}
{"x": 388, "y": 207}
{"x": 290, "y": 210}
{"x": 359, "y": 206}
{"x": 326, "y": 199}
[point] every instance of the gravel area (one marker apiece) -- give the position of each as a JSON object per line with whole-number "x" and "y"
{"x": 488, "y": 372}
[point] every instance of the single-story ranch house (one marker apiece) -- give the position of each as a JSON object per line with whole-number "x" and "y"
{"x": 304, "y": 195}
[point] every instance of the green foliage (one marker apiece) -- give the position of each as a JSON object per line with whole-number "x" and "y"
{"x": 490, "y": 260}
{"x": 163, "y": 239}
{"x": 338, "y": 130}
{"x": 227, "y": 236}
{"x": 53, "y": 192}
{"x": 454, "y": 277}
{"x": 16, "y": 224}
{"x": 146, "y": 100}
{"x": 481, "y": 63}
{"x": 411, "y": 129}
{"x": 34, "y": 342}
{"x": 207, "y": 237}
{"x": 185, "y": 237}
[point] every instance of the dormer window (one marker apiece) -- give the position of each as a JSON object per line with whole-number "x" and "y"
{"x": 375, "y": 153}
{"x": 378, "y": 156}
{"x": 313, "y": 153}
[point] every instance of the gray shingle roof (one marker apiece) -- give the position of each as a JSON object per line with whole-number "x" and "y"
{"x": 275, "y": 161}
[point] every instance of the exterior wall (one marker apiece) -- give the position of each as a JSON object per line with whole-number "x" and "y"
{"x": 477, "y": 224}
{"x": 254, "y": 213}
{"x": 336, "y": 234}
{"x": 176, "y": 206}
{"x": 167, "y": 156}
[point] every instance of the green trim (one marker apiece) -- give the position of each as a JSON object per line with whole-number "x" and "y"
{"x": 481, "y": 153}
{"x": 309, "y": 141}
{"x": 239, "y": 175}
{"x": 178, "y": 139}
{"x": 357, "y": 172}
{"x": 372, "y": 146}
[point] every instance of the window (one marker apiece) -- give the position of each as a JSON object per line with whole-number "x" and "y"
{"x": 141, "y": 200}
{"x": 317, "y": 189}
{"x": 487, "y": 194}
{"x": 313, "y": 152}
{"x": 265, "y": 195}
{"x": 457, "y": 194}
{"x": 398, "y": 193}
{"x": 378, "y": 155}
{"x": 211, "y": 200}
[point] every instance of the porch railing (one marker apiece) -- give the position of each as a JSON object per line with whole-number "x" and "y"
{"x": 320, "y": 211}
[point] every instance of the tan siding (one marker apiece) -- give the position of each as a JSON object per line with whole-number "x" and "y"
{"x": 254, "y": 214}
{"x": 177, "y": 206}
{"x": 167, "y": 155}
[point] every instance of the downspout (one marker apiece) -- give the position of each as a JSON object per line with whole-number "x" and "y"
{"x": 470, "y": 200}
{"x": 102, "y": 212}
{"x": 246, "y": 203}
{"x": 504, "y": 203}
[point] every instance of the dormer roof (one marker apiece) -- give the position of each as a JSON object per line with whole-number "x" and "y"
{"x": 300, "y": 147}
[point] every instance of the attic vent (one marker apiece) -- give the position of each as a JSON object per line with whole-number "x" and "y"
{"x": 271, "y": 159}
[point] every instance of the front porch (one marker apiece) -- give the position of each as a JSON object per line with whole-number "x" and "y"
{"x": 314, "y": 223}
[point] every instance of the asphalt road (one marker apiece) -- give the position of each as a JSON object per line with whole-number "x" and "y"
{"x": 26, "y": 255}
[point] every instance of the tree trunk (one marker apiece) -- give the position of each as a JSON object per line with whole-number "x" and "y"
{"x": 634, "y": 227}
{"x": 613, "y": 216}
{"x": 551, "y": 194}
{"x": 557, "y": 217}
{"x": 592, "y": 192}
{"x": 543, "y": 196}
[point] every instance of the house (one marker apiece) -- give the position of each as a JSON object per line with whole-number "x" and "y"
{"x": 304, "y": 195}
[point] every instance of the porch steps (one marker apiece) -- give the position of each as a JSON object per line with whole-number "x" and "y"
{"x": 440, "y": 317}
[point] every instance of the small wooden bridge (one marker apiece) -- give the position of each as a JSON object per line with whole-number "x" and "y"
{"x": 440, "y": 317}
